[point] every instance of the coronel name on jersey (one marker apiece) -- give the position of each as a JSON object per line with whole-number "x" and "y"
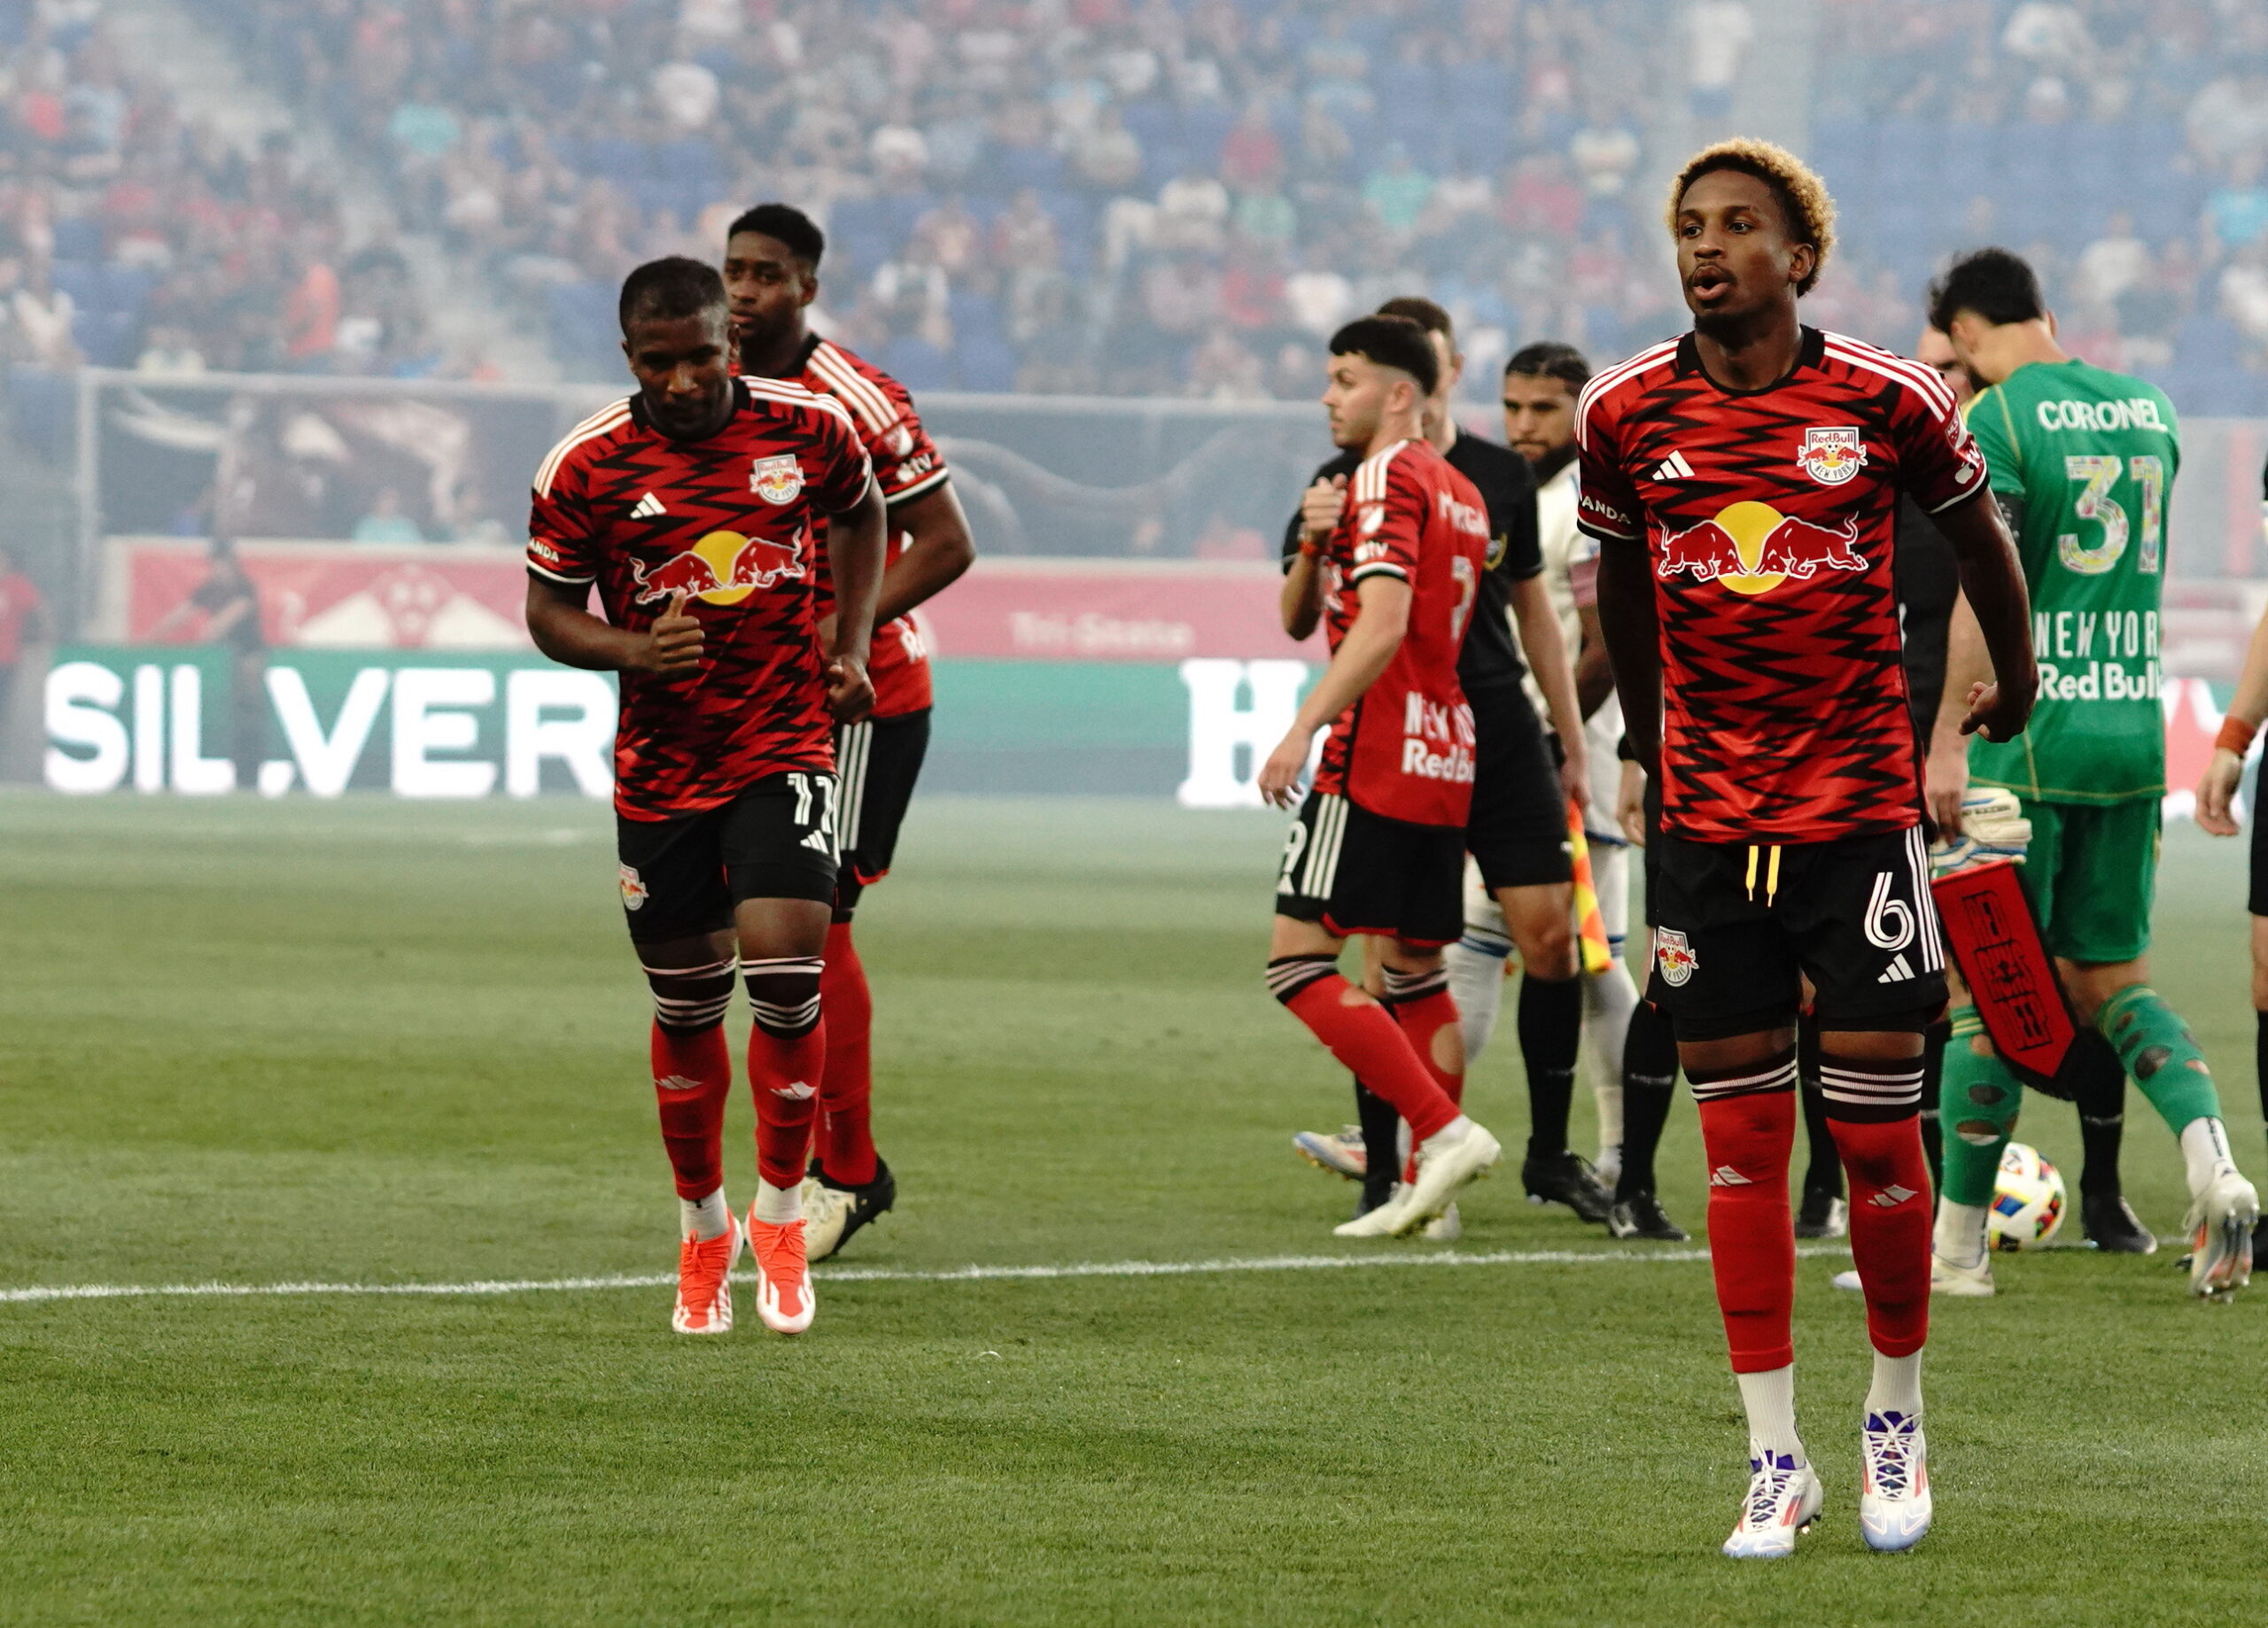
{"x": 2133, "y": 413}
{"x": 1437, "y": 740}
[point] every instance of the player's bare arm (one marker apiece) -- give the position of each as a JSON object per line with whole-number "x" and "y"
{"x": 855, "y": 544}
{"x": 2218, "y": 786}
{"x": 1629, "y": 621}
{"x": 938, "y": 552}
{"x": 1991, "y": 679}
{"x": 1594, "y": 673}
{"x": 1361, "y": 657}
{"x": 1547, "y": 654}
{"x": 1301, "y": 601}
{"x": 568, "y": 633}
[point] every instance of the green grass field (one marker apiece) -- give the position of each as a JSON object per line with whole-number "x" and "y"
{"x": 369, "y": 1044}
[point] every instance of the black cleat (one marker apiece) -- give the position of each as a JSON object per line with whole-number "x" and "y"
{"x": 832, "y": 1212}
{"x": 1566, "y": 1177}
{"x": 2109, "y": 1222}
{"x": 1641, "y": 1217}
{"x": 1823, "y": 1215}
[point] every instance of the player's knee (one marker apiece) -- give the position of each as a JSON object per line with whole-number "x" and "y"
{"x": 783, "y": 994}
{"x": 1289, "y": 977}
{"x": 689, "y": 999}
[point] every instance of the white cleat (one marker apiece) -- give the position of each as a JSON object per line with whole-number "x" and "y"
{"x": 1893, "y": 1483}
{"x": 1784, "y": 1499}
{"x": 1341, "y": 1152}
{"x": 2220, "y": 1224}
{"x": 1445, "y": 1227}
{"x": 827, "y": 1211}
{"x": 1377, "y": 1223}
{"x": 1442, "y": 1170}
{"x": 1960, "y": 1283}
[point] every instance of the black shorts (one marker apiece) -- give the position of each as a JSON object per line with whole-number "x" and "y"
{"x": 1731, "y": 934}
{"x": 2258, "y": 905}
{"x": 1517, "y": 832}
{"x": 773, "y": 841}
{"x": 1356, "y": 872}
{"x": 878, "y": 760}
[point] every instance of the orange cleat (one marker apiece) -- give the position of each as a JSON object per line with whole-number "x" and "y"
{"x": 783, "y": 1276}
{"x": 704, "y": 1290}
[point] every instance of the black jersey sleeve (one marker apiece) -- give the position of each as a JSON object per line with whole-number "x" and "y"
{"x": 1346, "y": 463}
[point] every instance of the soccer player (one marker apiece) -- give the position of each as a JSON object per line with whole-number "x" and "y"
{"x": 1743, "y": 483}
{"x": 1540, "y": 387}
{"x": 694, "y": 507}
{"x": 1517, "y": 832}
{"x": 2083, "y": 462}
{"x": 1379, "y": 844}
{"x": 772, "y": 259}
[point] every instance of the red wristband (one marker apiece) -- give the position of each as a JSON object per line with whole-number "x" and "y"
{"x": 2235, "y": 736}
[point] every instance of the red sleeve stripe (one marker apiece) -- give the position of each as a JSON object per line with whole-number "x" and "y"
{"x": 598, "y": 423}
{"x": 572, "y": 582}
{"x": 871, "y": 402}
{"x": 935, "y": 480}
{"x": 1377, "y": 568}
{"x": 792, "y": 394}
{"x": 1613, "y": 376}
{"x": 1924, "y": 381}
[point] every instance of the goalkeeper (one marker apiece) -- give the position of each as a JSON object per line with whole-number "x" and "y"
{"x": 2082, "y": 461}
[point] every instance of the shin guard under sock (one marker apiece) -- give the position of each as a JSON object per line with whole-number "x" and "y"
{"x": 1419, "y": 1003}
{"x": 2158, "y": 1049}
{"x": 1977, "y": 1109}
{"x": 1748, "y": 1138}
{"x": 1822, "y": 1170}
{"x": 1933, "y": 1081}
{"x": 1358, "y": 1033}
{"x": 1648, "y": 1085}
{"x": 1889, "y": 1213}
{"x": 846, "y": 1141}
{"x": 2098, "y": 1092}
{"x": 693, "y": 1077}
{"x": 1552, "y": 1031}
{"x": 786, "y": 1059}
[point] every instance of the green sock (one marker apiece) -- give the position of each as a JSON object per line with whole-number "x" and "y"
{"x": 1977, "y": 1106}
{"x": 2162, "y": 1054}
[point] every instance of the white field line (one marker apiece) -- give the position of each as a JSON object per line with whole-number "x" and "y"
{"x": 37, "y": 1294}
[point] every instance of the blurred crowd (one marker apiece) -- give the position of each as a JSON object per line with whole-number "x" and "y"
{"x": 1115, "y": 197}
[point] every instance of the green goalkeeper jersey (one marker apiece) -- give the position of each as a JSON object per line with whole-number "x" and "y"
{"x": 2092, "y": 456}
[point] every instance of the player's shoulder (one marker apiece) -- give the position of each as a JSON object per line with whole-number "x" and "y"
{"x": 1479, "y": 459}
{"x": 1613, "y": 391}
{"x": 776, "y": 397}
{"x": 591, "y": 438}
{"x": 1873, "y": 367}
{"x": 1345, "y": 461}
{"x": 876, "y": 400}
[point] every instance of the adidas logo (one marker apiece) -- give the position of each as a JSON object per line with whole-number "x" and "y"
{"x": 1890, "y": 1198}
{"x": 648, "y": 507}
{"x": 1673, "y": 467}
{"x": 1725, "y": 1175}
{"x": 1899, "y": 971}
{"x": 796, "y": 1092}
{"x": 677, "y": 1083}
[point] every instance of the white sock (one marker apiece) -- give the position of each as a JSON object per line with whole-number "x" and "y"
{"x": 1476, "y": 964}
{"x": 705, "y": 1218}
{"x": 1448, "y": 1137}
{"x": 2205, "y": 1149}
{"x": 1770, "y": 1400}
{"x": 779, "y": 1206}
{"x": 1960, "y": 1236}
{"x": 1897, "y": 1386}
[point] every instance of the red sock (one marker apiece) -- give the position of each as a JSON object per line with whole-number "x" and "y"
{"x": 1422, "y": 1019}
{"x": 1361, "y": 1035}
{"x": 693, "y": 1075}
{"x": 1890, "y": 1228}
{"x": 1747, "y": 1139}
{"x": 846, "y": 1137}
{"x": 784, "y": 1075}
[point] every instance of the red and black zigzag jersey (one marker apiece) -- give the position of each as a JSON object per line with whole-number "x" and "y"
{"x": 907, "y": 464}
{"x": 1405, "y": 749}
{"x": 1769, "y": 517}
{"x": 732, "y": 521}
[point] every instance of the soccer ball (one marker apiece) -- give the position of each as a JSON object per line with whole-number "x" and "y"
{"x": 2027, "y": 1201}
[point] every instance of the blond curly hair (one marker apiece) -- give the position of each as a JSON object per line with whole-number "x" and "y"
{"x": 1802, "y": 193}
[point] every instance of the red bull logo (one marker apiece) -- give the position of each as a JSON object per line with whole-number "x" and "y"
{"x": 1675, "y": 957}
{"x": 1752, "y": 548}
{"x": 724, "y": 568}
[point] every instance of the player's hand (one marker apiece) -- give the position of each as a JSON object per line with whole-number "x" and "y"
{"x": 1321, "y": 505}
{"x": 850, "y": 692}
{"x": 1999, "y": 710}
{"x": 1575, "y": 777}
{"x": 1630, "y": 805}
{"x": 1944, "y": 781}
{"x": 2215, "y": 789}
{"x": 1279, "y": 776}
{"x": 672, "y": 643}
